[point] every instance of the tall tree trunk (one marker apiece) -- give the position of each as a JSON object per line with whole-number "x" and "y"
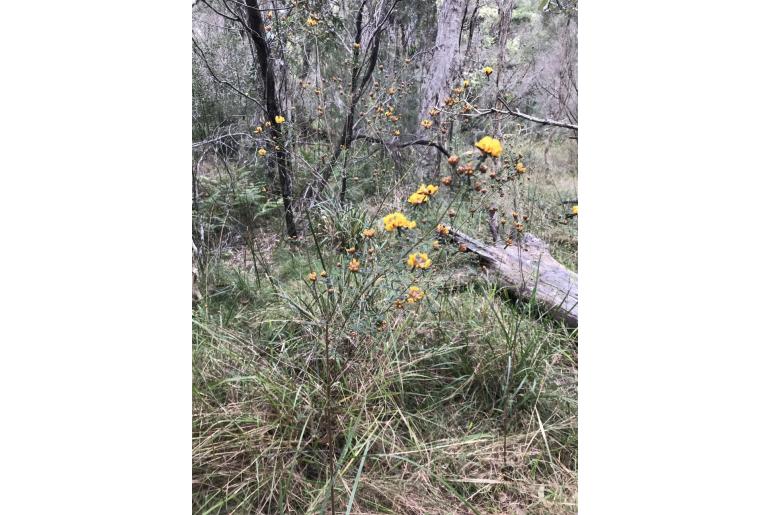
{"x": 441, "y": 71}
{"x": 282, "y": 160}
{"x": 471, "y": 27}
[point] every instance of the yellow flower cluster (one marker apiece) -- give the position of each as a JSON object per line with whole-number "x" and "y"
{"x": 487, "y": 70}
{"x": 419, "y": 260}
{"x": 311, "y": 22}
{"x": 416, "y": 198}
{"x": 422, "y": 194}
{"x": 490, "y": 146}
{"x": 520, "y": 168}
{"x": 369, "y": 233}
{"x": 575, "y": 210}
{"x": 428, "y": 190}
{"x": 262, "y": 152}
{"x": 397, "y": 220}
{"x": 354, "y": 265}
{"x": 414, "y": 294}
{"x": 279, "y": 119}
{"x": 427, "y": 124}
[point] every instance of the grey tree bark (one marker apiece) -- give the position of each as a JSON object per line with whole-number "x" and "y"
{"x": 441, "y": 69}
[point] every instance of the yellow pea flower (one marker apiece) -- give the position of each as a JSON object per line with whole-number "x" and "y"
{"x": 414, "y": 294}
{"x": 417, "y": 198}
{"x": 490, "y": 146}
{"x": 419, "y": 260}
{"x": 397, "y": 220}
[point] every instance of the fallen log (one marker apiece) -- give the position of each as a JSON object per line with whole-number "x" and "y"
{"x": 528, "y": 270}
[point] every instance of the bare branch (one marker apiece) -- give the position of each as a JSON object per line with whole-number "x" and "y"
{"x": 543, "y": 121}
{"x": 397, "y": 144}
{"x": 214, "y": 140}
{"x": 221, "y": 81}
{"x": 519, "y": 114}
{"x": 223, "y": 15}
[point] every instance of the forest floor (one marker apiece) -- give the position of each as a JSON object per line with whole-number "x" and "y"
{"x": 463, "y": 403}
